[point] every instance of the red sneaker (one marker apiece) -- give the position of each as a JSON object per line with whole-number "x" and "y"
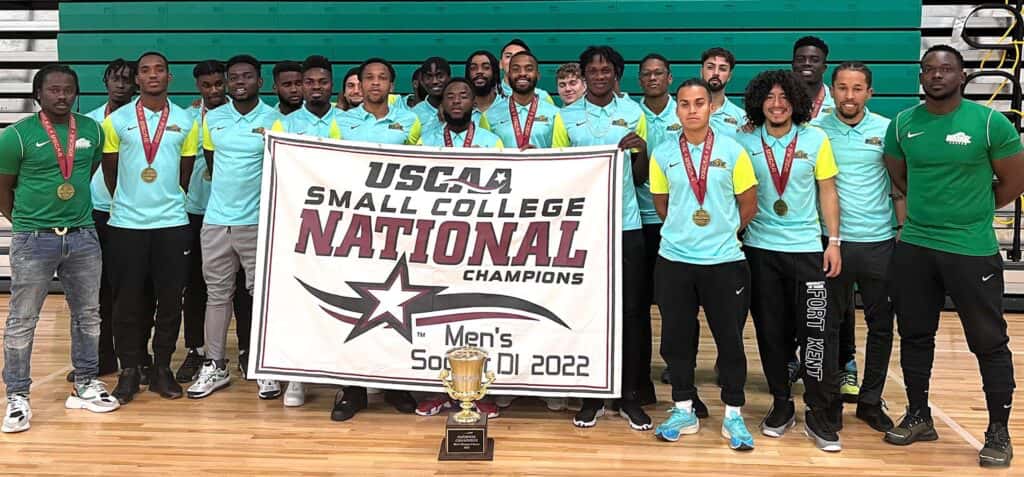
{"x": 432, "y": 407}
{"x": 488, "y": 408}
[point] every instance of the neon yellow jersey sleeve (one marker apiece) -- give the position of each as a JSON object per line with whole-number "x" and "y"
{"x": 560, "y": 135}
{"x": 659, "y": 183}
{"x": 111, "y": 141}
{"x": 207, "y": 142}
{"x": 825, "y": 167}
{"x": 743, "y": 177}
{"x": 335, "y": 131}
{"x": 191, "y": 145}
{"x": 484, "y": 123}
{"x": 278, "y": 126}
{"x": 414, "y": 134}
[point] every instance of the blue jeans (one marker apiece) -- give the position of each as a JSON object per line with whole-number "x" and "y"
{"x": 77, "y": 260}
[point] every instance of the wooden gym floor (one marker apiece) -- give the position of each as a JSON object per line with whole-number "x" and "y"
{"x": 234, "y": 433}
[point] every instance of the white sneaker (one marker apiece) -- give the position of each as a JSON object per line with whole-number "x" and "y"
{"x": 91, "y": 396}
{"x": 269, "y": 389}
{"x": 211, "y": 378}
{"x": 504, "y": 401}
{"x": 556, "y": 403}
{"x": 295, "y": 394}
{"x": 18, "y": 414}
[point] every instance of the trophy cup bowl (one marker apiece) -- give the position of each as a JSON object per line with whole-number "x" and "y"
{"x": 467, "y": 381}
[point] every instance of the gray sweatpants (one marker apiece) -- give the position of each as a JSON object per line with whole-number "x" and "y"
{"x": 224, "y": 247}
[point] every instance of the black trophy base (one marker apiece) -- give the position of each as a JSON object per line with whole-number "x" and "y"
{"x": 466, "y": 441}
{"x": 488, "y": 453}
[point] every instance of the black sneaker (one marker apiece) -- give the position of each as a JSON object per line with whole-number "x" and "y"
{"x": 780, "y": 418}
{"x": 161, "y": 381}
{"x": 835, "y": 415}
{"x": 819, "y": 429}
{"x": 189, "y": 369}
{"x": 401, "y": 400}
{"x": 997, "y": 451}
{"x": 348, "y": 402}
{"x": 70, "y": 377}
{"x": 666, "y": 377}
{"x": 588, "y": 415}
{"x": 916, "y": 426}
{"x": 874, "y": 415}
{"x": 635, "y": 415}
{"x": 127, "y": 385}
{"x": 699, "y": 408}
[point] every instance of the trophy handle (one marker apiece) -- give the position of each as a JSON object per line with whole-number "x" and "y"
{"x": 447, "y": 382}
{"x": 487, "y": 382}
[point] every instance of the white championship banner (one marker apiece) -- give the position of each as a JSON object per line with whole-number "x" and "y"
{"x": 375, "y": 260}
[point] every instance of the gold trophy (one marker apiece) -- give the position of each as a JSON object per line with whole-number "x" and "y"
{"x": 466, "y": 430}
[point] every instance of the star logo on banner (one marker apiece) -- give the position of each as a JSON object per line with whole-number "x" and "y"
{"x": 388, "y": 303}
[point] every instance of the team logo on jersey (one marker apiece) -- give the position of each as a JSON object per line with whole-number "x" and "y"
{"x": 827, "y": 110}
{"x": 259, "y": 131}
{"x": 874, "y": 141}
{"x": 174, "y": 128}
{"x": 799, "y": 154}
{"x": 541, "y": 119}
{"x": 731, "y": 120}
{"x": 83, "y": 143}
{"x": 674, "y": 127}
{"x": 959, "y": 139}
{"x": 619, "y": 122}
{"x": 718, "y": 163}
{"x": 395, "y": 126}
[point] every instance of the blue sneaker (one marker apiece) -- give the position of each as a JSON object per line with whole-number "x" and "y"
{"x": 679, "y": 422}
{"x": 734, "y": 429}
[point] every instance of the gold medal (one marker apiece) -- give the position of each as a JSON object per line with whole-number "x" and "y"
{"x": 149, "y": 174}
{"x": 65, "y": 191}
{"x": 780, "y": 207}
{"x": 207, "y": 176}
{"x": 701, "y": 217}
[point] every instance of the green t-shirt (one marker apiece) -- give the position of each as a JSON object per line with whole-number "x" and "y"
{"x": 26, "y": 152}
{"x": 950, "y": 201}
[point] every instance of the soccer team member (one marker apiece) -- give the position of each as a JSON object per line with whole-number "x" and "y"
{"x": 148, "y": 153}
{"x": 569, "y": 81}
{"x": 784, "y": 250}
{"x": 524, "y": 119}
{"x": 866, "y": 213}
{"x": 318, "y": 118}
{"x": 119, "y": 80}
{"x": 942, "y": 154}
{"x": 233, "y": 147}
{"x": 288, "y": 86}
{"x": 482, "y": 72}
{"x": 507, "y": 52}
{"x": 209, "y": 76}
{"x": 602, "y": 118}
{"x": 716, "y": 67}
{"x": 704, "y": 204}
{"x": 458, "y": 129}
{"x": 434, "y": 73}
{"x": 51, "y": 156}
{"x": 351, "y": 95}
{"x": 375, "y": 121}
{"x": 410, "y": 100}
{"x": 810, "y": 55}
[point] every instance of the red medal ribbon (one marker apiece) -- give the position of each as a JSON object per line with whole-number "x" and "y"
{"x": 818, "y": 102}
{"x": 66, "y": 161}
{"x": 151, "y": 147}
{"x": 522, "y": 133}
{"x": 469, "y": 136}
{"x": 699, "y": 185}
{"x": 780, "y": 180}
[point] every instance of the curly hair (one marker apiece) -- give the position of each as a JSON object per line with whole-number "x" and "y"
{"x": 762, "y": 84}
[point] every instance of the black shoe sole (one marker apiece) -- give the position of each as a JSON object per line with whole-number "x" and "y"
{"x": 926, "y": 437}
{"x": 989, "y": 463}
{"x": 124, "y": 399}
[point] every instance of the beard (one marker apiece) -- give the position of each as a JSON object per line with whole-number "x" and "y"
{"x": 457, "y": 123}
{"x": 716, "y": 85}
{"x": 840, "y": 112}
{"x": 940, "y": 97}
{"x": 486, "y": 89}
{"x": 532, "y": 86}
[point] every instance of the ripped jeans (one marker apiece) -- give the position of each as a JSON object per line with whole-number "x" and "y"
{"x": 77, "y": 260}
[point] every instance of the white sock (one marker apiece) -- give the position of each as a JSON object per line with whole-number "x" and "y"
{"x": 732, "y": 410}
{"x": 200, "y": 350}
{"x": 685, "y": 405}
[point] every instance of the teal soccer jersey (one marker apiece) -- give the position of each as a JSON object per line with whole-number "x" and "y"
{"x": 399, "y": 126}
{"x": 865, "y": 205}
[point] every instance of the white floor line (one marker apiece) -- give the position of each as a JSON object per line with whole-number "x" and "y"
{"x": 49, "y": 377}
